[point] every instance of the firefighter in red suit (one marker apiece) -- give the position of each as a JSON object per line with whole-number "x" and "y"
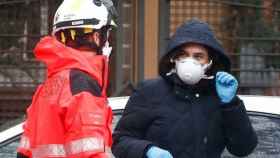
{"x": 69, "y": 116}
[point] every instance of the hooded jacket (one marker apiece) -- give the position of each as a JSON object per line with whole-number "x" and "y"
{"x": 188, "y": 121}
{"x": 198, "y": 32}
{"x": 69, "y": 116}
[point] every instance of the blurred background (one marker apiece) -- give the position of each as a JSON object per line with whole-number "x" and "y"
{"x": 248, "y": 29}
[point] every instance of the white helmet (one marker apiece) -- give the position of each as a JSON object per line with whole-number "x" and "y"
{"x": 82, "y": 14}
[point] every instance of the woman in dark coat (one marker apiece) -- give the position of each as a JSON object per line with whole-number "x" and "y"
{"x": 191, "y": 110}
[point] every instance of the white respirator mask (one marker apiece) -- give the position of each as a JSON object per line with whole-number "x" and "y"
{"x": 190, "y": 71}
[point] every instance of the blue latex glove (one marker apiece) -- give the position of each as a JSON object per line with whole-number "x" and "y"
{"x": 156, "y": 152}
{"x": 226, "y": 86}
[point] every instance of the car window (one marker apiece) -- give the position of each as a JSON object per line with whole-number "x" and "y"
{"x": 267, "y": 127}
{"x": 9, "y": 150}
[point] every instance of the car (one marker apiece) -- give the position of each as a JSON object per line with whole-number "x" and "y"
{"x": 264, "y": 113}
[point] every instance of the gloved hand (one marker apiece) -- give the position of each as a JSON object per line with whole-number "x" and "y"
{"x": 156, "y": 152}
{"x": 226, "y": 86}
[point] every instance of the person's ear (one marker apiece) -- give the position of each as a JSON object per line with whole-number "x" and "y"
{"x": 96, "y": 38}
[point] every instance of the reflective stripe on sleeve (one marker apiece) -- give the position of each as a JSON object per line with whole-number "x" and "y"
{"x": 90, "y": 144}
{"x": 51, "y": 150}
{"x": 24, "y": 143}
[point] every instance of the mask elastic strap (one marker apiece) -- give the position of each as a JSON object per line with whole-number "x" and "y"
{"x": 106, "y": 50}
{"x": 208, "y": 77}
{"x": 172, "y": 71}
{"x": 206, "y": 67}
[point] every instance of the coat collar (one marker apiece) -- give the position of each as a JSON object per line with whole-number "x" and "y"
{"x": 58, "y": 57}
{"x": 184, "y": 91}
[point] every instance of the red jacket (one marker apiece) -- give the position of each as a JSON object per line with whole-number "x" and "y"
{"x": 69, "y": 117}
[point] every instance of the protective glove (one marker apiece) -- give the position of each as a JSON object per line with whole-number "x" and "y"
{"x": 226, "y": 86}
{"x": 156, "y": 152}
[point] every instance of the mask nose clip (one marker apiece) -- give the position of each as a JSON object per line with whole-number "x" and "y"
{"x": 206, "y": 67}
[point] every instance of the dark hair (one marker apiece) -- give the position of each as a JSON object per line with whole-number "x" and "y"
{"x": 82, "y": 39}
{"x": 217, "y": 65}
{"x": 165, "y": 64}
